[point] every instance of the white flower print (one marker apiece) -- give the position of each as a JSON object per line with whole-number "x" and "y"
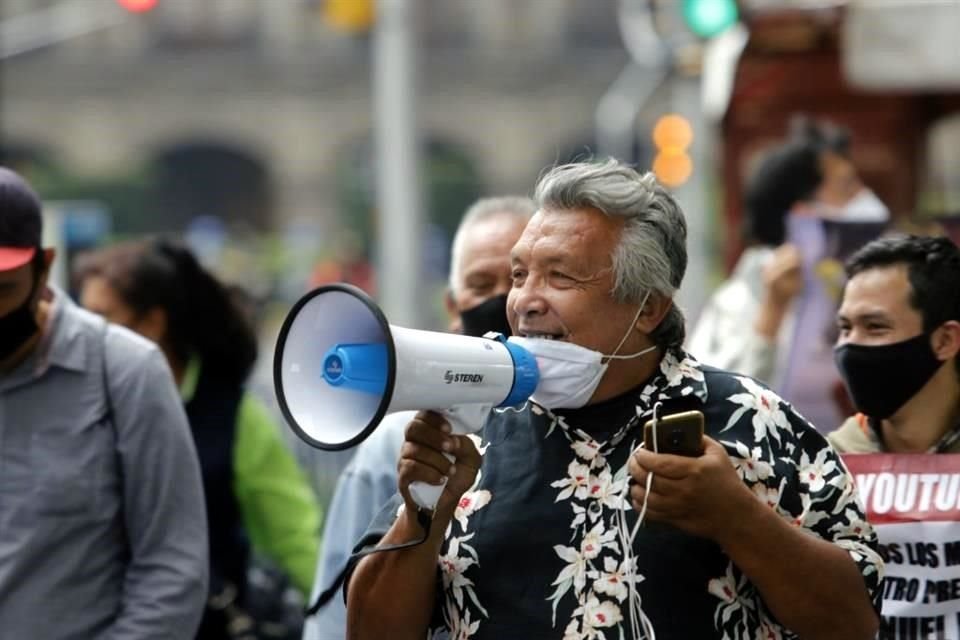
{"x": 774, "y": 454}
{"x": 852, "y": 525}
{"x": 814, "y": 474}
{"x": 604, "y": 489}
{"x": 575, "y": 484}
{"x": 461, "y": 557}
{"x": 749, "y": 463}
{"x": 576, "y": 569}
{"x": 572, "y": 632}
{"x": 768, "y": 631}
{"x": 768, "y": 418}
{"x": 596, "y": 540}
{"x": 587, "y": 449}
{"x": 469, "y": 503}
{"x": 681, "y": 372}
{"x": 452, "y": 568}
{"x": 615, "y": 579}
{"x": 729, "y": 589}
{"x": 808, "y": 516}
{"x": 600, "y": 615}
{"x": 464, "y": 629}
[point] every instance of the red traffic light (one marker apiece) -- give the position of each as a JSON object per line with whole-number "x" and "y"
{"x": 137, "y": 6}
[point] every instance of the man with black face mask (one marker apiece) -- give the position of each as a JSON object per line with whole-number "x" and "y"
{"x": 476, "y": 303}
{"x": 102, "y": 525}
{"x": 897, "y": 351}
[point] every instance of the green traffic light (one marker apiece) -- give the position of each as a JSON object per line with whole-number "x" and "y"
{"x": 708, "y": 18}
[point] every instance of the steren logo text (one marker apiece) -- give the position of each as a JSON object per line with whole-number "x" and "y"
{"x": 466, "y": 378}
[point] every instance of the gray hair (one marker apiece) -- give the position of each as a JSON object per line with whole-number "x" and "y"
{"x": 517, "y": 207}
{"x": 652, "y": 253}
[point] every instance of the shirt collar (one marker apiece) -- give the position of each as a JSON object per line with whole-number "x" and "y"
{"x": 63, "y": 343}
{"x": 680, "y": 377}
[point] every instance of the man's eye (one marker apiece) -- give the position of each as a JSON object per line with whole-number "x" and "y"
{"x": 517, "y": 274}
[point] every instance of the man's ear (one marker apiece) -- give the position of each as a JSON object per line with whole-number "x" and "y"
{"x": 654, "y": 311}
{"x": 946, "y": 340}
{"x": 48, "y": 256}
{"x": 453, "y": 315}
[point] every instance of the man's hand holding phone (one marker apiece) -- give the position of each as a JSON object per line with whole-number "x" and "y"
{"x": 695, "y": 487}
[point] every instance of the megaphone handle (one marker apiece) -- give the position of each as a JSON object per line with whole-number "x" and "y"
{"x": 426, "y": 495}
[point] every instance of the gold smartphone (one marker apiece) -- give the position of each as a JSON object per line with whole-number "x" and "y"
{"x": 679, "y": 434}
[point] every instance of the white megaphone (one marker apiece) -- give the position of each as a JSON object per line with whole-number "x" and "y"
{"x": 339, "y": 368}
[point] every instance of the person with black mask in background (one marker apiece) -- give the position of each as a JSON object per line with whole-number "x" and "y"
{"x": 897, "y": 350}
{"x": 476, "y": 303}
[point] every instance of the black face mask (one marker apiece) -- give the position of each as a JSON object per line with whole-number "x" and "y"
{"x": 17, "y": 327}
{"x": 487, "y": 316}
{"x": 881, "y": 379}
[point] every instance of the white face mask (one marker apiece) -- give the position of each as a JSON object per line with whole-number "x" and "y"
{"x": 569, "y": 373}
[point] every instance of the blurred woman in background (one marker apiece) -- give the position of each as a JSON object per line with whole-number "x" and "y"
{"x": 255, "y": 492}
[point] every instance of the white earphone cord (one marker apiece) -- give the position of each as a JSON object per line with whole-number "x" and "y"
{"x": 640, "y": 625}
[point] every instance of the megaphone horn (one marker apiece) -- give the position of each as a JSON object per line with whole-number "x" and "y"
{"x": 339, "y": 368}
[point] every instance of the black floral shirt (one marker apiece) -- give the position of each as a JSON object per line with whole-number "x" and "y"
{"x": 536, "y": 547}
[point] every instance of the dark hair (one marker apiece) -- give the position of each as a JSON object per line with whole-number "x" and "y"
{"x": 788, "y": 174}
{"x": 202, "y": 317}
{"x": 933, "y": 269}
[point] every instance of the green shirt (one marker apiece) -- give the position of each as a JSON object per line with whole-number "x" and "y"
{"x": 279, "y": 510}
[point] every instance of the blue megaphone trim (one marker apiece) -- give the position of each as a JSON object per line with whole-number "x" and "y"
{"x": 526, "y": 374}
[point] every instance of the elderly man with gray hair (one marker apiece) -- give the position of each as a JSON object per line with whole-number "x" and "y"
{"x": 559, "y": 523}
{"x": 476, "y": 303}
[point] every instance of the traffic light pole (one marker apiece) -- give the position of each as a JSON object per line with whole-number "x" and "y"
{"x": 399, "y": 215}
{"x": 616, "y": 113}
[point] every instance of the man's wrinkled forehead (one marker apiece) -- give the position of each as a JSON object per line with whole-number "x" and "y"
{"x": 581, "y": 237}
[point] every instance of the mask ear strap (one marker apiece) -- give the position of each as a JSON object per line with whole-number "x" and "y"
{"x": 614, "y": 356}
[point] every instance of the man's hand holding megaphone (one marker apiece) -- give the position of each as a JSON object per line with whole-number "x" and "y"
{"x": 423, "y": 458}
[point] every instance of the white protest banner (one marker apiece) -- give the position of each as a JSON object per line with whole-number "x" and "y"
{"x": 914, "y": 503}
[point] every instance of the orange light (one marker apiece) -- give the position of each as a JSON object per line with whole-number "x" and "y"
{"x": 350, "y": 15}
{"x": 137, "y": 6}
{"x": 672, "y": 131}
{"x": 672, "y": 167}
{"x": 672, "y": 135}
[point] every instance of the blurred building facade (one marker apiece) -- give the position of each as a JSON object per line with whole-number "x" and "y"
{"x": 260, "y": 100}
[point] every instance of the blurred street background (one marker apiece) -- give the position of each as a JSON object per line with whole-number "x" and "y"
{"x": 297, "y": 142}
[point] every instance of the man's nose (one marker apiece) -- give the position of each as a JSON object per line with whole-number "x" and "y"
{"x": 528, "y": 300}
{"x": 852, "y": 336}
